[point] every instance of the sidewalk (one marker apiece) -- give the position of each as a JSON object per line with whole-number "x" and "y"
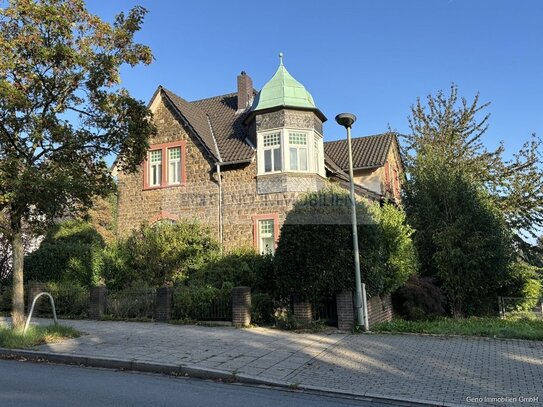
{"x": 437, "y": 370}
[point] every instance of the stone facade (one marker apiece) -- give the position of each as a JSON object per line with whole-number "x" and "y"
{"x": 285, "y": 182}
{"x": 198, "y": 199}
{"x": 288, "y": 118}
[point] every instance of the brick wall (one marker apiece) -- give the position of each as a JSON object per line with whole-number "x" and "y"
{"x": 379, "y": 309}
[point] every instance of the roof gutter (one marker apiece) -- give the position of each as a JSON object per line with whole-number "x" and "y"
{"x": 244, "y": 161}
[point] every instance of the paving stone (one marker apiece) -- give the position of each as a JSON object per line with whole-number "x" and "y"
{"x": 436, "y": 369}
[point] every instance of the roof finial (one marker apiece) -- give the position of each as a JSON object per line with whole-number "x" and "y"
{"x": 280, "y": 58}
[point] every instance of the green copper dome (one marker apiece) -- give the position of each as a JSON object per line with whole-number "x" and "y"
{"x": 283, "y": 90}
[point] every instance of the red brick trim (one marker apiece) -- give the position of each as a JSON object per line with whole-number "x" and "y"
{"x": 163, "y": 215}
{"x": 164, "y": 147}
{"x": 396, "y": 181}
{"x": 256, "y": 230}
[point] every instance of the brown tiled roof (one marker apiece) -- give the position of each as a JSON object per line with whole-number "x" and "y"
{"x": 196, "y": 118}
{"x": 227, "y": 126}
{"x": 217, "y": 124}
{"x": 220, "y": 128}
{"x": 335, "y": 171}
{"x": 368, "y": 152}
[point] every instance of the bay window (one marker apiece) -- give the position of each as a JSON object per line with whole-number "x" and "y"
{"x": 298, "y": 151}
{"x": 272, "y": 152}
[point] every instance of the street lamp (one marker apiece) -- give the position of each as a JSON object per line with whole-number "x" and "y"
{"x": 346, "y": 120}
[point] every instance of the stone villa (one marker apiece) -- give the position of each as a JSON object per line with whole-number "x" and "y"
{"x": 238, "y": 162}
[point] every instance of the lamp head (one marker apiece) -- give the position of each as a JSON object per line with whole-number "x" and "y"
{"x": 345, "y": 119}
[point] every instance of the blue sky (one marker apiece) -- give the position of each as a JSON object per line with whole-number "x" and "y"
{"x": 371, "y": 58}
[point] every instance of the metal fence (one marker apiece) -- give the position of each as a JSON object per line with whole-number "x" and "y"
{"x": 512, "y": 305}
{"x": 131, "y": 303}
{"x": 69, "y": 301}
{"x": 218, "y": 309}
{"x": 202, "y": 304}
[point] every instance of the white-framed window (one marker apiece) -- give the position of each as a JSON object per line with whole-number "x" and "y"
{"x": 297, "y": 151}
{"x": 174, "y": 165}
{"x": 316, "y": 155}
{"x": 272, "y": 152}
{"x": 165, "y": 166}
{"x": 155, "y": 168}
{"x": 266, "y": 232}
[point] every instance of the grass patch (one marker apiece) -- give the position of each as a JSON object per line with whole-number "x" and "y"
{"x": 510, "y": 328}
{"x": 35, "y": 335}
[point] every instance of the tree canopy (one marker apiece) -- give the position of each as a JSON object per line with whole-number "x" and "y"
{"x": 63, "y": 111}
{"x": 448, "y": 131}
{"x": 474, "y": 212}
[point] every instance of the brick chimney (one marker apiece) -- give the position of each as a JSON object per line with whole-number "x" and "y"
{"x": 245, "y": 90}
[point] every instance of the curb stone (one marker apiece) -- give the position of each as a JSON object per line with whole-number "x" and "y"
{"x": 208, "y": 373}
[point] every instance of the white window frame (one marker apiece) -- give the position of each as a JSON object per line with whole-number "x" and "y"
{"x": 174, "y": 176}
{"x": 318, "y": 154}
{"x": 314, "y": 150}
{"x": 299, "y": 148}
{"x": 155, "y": 166}
{"x": 272, "y": 148}
{"x": 262, "y": 236}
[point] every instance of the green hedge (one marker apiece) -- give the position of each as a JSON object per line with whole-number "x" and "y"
{"x": 159, "y": 254}
{"x": 71, "y": 251}
{"x": 314, "y": 257}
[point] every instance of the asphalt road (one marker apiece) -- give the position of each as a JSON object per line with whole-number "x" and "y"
{"x": 39, "y": 384}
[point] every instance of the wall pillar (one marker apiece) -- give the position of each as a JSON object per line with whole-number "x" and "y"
{"x": 345, "y": 310}
{"x": 163, "y": 307}
{"x": 34, "y": 288}
{"x": 241, "y": 306}
{"x": 303, "y": 313}
{"x": 97, "y": 303}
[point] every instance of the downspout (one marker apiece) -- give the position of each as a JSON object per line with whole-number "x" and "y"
{"x": 219, "y": 182}
{"x": 220, "y": 214}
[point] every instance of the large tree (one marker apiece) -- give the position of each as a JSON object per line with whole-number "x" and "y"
{"x": 450, "y": 130}
{"x": 62, "y": 112}
{"x": 461, "y": 238}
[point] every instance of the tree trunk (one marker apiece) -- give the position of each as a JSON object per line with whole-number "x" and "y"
{"x": 18, "y": 304}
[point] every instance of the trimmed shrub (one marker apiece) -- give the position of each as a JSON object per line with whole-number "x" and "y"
{"x": 314, "y": 257}
{"x": 71, "y": 251}
{"x": 419, "y": 299}
{"x": 160, "y": 254}
{"x": 241, "y": 267}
